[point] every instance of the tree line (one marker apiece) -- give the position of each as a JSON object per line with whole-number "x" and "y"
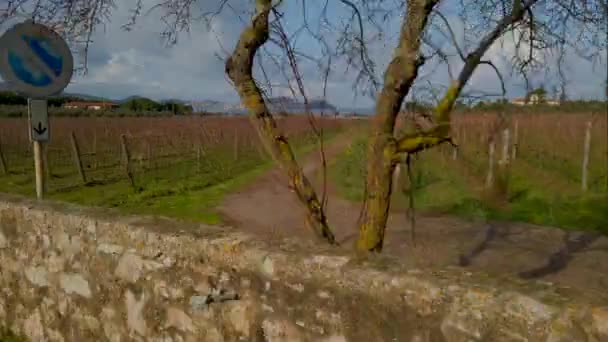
{"x": 140, "y": 105}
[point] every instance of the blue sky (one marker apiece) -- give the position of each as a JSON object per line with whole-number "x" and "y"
{"x": 123, "y": 63}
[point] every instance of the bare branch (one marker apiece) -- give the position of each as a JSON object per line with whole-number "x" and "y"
{"x": 452, "y": 34}
{"x": 239, "y": 69}
{"x": 440, "y": 133}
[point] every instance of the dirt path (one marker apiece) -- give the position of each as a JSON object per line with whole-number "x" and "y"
{"x": 576, "y": 260}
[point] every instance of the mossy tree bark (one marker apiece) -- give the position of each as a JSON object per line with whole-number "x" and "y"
{"x": 384, "y": 149}
{"x": 239, "y": 68}
{"x": 398, "y": 78}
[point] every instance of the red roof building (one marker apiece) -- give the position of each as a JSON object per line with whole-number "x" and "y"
{"x": 91, "y": 105}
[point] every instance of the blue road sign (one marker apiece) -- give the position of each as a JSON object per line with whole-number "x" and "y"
{"x": 35, "y": 60}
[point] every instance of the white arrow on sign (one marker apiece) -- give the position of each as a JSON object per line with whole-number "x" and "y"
{"x": 35, "y": 60}
{"x": 39, "y": 120}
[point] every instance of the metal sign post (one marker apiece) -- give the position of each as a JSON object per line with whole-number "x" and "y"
{"x": 37, "y": 62}
{"x": 38, "y": 119}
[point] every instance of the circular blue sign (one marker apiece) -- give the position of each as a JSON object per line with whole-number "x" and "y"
{"x": 35, "y": 60}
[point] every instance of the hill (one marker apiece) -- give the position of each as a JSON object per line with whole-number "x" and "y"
{"x": 275, "y": 104}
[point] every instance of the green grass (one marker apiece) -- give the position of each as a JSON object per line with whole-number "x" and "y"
{"x": 534, "y": 195}
{"x": 434, "y": 189}
{"x": 181, "y": 189}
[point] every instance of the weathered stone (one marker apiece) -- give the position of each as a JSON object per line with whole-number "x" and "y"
{"x": 47, "y": 306}
{"x": 46, "y": 241}
{"x": 91, "y": 228}
{"x": 421, "y": 295}
{"x": 165, "y": 337}
{"x": 107, "y": 248}
{"x": 224, "y": 277}
{"x": 3, "y": 241}
{"x": 240, "y": 316}
{"x": 75, "y": 283}
{"x": 203, "y": 287}
{"x": 317, "y": 329}
{"x": 213, "y": 335}
{"x": 135, "y": 318}
{"x": 63, "y": 304}
{"x": 267, "y": 266}
{"x": 245, "y": 283}
{"x": 111, "y": 332}
{"x": 54, "y": 335}
{"x": 281, "y": 330}
{"x": 76, "y": 266}
{"x": 563, "y": 330}
{"x": 296, "y": 287}
{"x": 108, "y": 313}
{"x": 161, "y": 289}
{"x": 176, "y": 293}
{"x": 179, "y": 320}
{"x": 329, "y": 261}
{"x": 527, "y": 309}
{"x": 130, "y": 267}
{"x": 199, "y": 302}
{"x": 332, "y": 319}
{"x": 176, "y": 304}
{"x": 600, "y": 322}
{"x": 468, "y": 317}
{"x": 32, "y": 327}
{"x": 150, "y": 265}
{"x": 87, "y": 322}
{"x": 2, "y": 310}
{"x": 424, "y": 336}
{"x": 69, "y": 245}
{"x": 55, "y": 263}
{"x": 324, "y": 294}
{"x": 110, "y": 328}
{"x": 168, "y": 262}
{"x": 37, "y": 276}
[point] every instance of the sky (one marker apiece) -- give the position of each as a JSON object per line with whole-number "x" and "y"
{"x": 122, "y": 64}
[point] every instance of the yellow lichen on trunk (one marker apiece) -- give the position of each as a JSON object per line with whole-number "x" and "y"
{"x": 398, "y": 78}
{"x": 239, "y": 68}
{"x": 444, "y": 108}
{"x": 379, "y": 180}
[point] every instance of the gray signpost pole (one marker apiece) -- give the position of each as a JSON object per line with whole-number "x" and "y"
{"x": 39, "y": 134}
{"x": 39, "y": 166}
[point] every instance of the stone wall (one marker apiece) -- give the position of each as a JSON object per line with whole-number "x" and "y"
{"x": 76, "y": 274}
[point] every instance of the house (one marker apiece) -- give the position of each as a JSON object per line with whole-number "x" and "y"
{"x": 91, "y": 105}
{"x": 519, "y": 101}
{"x": 532, "y": 100}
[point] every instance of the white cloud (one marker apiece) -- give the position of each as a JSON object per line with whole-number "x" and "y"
{"x": 123, "y": 63}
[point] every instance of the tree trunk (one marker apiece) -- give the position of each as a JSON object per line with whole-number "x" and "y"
{"x": 239, "y": 70}
{"x": 379, "y": 180}
{"x": 384, "y": 150}
{"x": 398, "y": 79}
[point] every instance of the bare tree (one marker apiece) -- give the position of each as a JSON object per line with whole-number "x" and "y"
{"x": 537, "y": 26}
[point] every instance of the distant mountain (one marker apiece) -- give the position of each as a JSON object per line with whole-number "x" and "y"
{"x": 289, "y": 105}
{"x": 212, "y": 106}
{"x": 360, "y": 111}
{"x": 86, "y": 97}
{"x": 132, "y": 97}
{"x": 275, "y": 104}
{"x": 175, "y": 101}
